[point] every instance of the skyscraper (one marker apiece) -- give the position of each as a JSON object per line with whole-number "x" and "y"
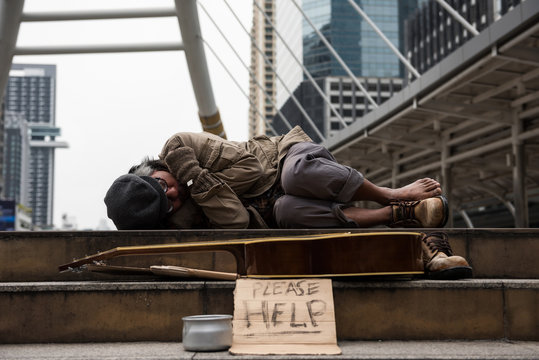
{"x": 2, "y": 179}
{"x": 261, "y": 96}
{"x": 16, "y": 158}
{"x": 31, "y": 93}
{"x": 268, "y": 92}
{"x": 353, "y": 38}
{"x": 370, "y": 60}
{"x": 432, "y": 33}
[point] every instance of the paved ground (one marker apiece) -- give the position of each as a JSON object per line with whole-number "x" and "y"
{"x": 350, "y": 350}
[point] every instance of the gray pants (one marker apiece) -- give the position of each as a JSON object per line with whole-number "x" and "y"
{"x": 316, "y": 188}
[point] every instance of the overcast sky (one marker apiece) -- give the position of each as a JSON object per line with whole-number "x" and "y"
{"x": 114, "y": 109}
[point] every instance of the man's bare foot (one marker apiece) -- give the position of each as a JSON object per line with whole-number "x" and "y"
{"x": 418, "y": 190}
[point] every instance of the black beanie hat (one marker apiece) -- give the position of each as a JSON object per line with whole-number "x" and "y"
{"x": 136, "y": 203}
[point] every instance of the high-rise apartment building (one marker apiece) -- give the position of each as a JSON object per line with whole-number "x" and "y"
{"x": 16, "y": 170}
{"x": 267, "y": 91}
{"x": 31, "y": 91}
{"x": 261, "y": 96}
{"x": 2, "y": 179}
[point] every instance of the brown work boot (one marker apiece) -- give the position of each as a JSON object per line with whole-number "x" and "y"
{"x": 427, "y": 213}
{"x": 439, "y": 261}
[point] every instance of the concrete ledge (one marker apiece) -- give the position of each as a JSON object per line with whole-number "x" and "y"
{"x": 63, "y": 312}
{"x": 35, "y": 256}
{"x": 63, "y": 286}
{"x": 361, "y": 350}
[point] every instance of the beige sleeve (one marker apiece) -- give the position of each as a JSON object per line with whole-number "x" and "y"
{"x": 228, "y": 171}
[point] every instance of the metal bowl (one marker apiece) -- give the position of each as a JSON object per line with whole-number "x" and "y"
{"x": 207, "y": 332}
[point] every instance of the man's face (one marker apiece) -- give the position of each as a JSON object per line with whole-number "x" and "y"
{"x": 176, "y": 194}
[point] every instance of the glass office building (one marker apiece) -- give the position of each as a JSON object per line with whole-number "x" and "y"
{"x": 360, "y": 47}
{"x": 365, "y": 53}
{"x": 432, "y": 33}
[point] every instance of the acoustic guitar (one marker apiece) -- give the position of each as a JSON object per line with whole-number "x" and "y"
{"x": 326, "y": 255}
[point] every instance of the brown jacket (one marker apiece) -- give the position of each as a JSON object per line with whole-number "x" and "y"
{"x": 243, "y": 169}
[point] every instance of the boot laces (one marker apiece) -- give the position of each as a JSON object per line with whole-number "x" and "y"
{"x": 438, "y": 241}
{"x": 406, "y": 209}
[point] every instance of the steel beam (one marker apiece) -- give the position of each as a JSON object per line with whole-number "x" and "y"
{"x": 476, "y": 134}
{"x": 466, "y": 219}
{"x": 529, "y": 113}
{"x": 501, "y": 198}
{"x": 458, "y": 17}
{"x": 417, "y": 145}
{"x": 462, "y": 116}
{"x": 455, "y": 81}
{"x": 447, "y": 177}
{"x": 366, "y": 132}
{"x": 471, "y": 153}
{"x": 525, "y": 99}
{"x": 519, "y": 176}
{"x": 187, "y": 13}
{"x": 96, "y": 49}
{"x": 506, "y": 86}
{"x": 416, "y": 155}
{"x": 10, "y": 20}
{"x": 98, "y": 14}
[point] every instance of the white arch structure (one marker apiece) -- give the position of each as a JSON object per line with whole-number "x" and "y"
{"x": 11, "y": 16}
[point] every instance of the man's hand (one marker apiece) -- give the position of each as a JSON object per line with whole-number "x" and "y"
{"x": 184, "y": 165}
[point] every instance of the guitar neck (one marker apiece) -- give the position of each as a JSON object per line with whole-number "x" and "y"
{"x": 236, "y": 248}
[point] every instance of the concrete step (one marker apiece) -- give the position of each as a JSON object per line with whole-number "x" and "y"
{"x": 35, "y": 256}
{"x": 357, "y": 350}
{"x": 72, "y": 312}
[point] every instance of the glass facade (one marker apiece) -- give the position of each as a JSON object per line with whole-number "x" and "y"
{"x": 432, "y": 33}
{"x": 356, "y": 42}
{"x": 360, "y": 47}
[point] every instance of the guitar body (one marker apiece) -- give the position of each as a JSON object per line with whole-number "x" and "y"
{"x": 335, "y": 255}
{"x": 326, "y": 255}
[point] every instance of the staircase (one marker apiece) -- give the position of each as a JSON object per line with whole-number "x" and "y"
{"x": 40, "y": 305}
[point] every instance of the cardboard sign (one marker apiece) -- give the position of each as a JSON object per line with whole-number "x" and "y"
{"x": 288, "y": 316}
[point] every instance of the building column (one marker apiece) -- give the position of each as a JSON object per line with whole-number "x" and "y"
{"x": 10, "y": 21}
{"x": 519, "y": 175}
{"x": 447, "y": 179}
